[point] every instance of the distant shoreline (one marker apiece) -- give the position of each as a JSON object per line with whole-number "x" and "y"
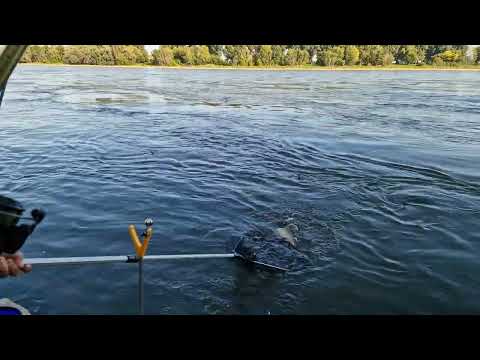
{"x": 277, "y": 68}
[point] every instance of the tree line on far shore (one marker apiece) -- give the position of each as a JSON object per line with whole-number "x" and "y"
{"x": 254, "y": 55}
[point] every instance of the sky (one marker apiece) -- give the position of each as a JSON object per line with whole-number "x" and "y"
{"x": 150, "y": 48}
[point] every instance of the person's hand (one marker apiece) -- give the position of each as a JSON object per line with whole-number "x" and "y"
{"x": 12, "y": 265}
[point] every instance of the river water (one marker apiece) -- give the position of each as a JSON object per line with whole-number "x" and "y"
{"x": 379, "y": 171}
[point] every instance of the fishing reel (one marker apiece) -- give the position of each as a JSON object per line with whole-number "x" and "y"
{"x": 12, "y": 235}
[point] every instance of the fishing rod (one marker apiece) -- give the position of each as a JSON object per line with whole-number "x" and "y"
{"x": 79, "y": 260}
{"x": 140, "y": 257}
{"x": 13, "y": 236}
{"x": 10, "y": 55}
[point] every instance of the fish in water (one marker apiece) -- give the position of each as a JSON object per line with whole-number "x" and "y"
{"x": 286, "y": 233}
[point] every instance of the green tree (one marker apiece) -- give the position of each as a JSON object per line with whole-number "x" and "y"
{"x": 392, "y": 49}
{"x": 371, "y": 54}
{"x": 334, "y": 56}
{"x": 105, "y": 55}
{"x": 388, "y": 58}
{"x": 290, "y": 58}
{"x": 303, "y": 57}
{"x": 278, "y": 54}
{"x": 88, "y": 54}
{"x": 141, "y": 54}
{"x": 59, "y": 52}
{"x": 72, "y": 55}
{"x": 183, "y": 55}
{"x": 43, "y": 54}
{"x": 163, "y": 56}
{"x": 410, "y": 54}
{"x": 432, "y": 50}
{"x": 450, "y": 56}
{"x": 229, "y": 52}
{"x": 264, "y": 56}
{"x": 125, "y": 54}
{"x": 253, "y": 50}
{"x": 312, "y": 51}
{"x": 201, "y": 55}
{"x": 352, "y": 55}
{"x": 296, "y": 56}
{"x": 216, "y": 54}
{"x": 437, "y": 61}
{"x": 242, "y": 56}
{"x": 215, "y": 50}
{"x": 247, "y": 55}
{"x": 306, "y": 49}
{"x": 37, "y": 54}
{"x": 78, "y": 55}
{"x": 27, "y": 55}
{"x": 462, "y": 51}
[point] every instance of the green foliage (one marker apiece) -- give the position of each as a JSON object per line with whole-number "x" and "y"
{"x": 303, "y": 57}
{"x": 239, "y": 55}
{"x": 253, "y": 49}
{"x": 81, "y": 55}
{"x": 215, "y": 50}
{"x": 228, "y": 52}
{"x": 104, "y": 55}
{"x": 249, "y": 55}
{"x": 201, "y": 55}
{"x": 432, "y": 50}
{"x": 73, "y": 55}
{"x": 392, "y": 49}
{"x": 128, "y": 55}
{"x": 388, "y": 59}
{"x": 352, "y": 55}
{"x": 278, "y": 52}
{"x": 372, "y": 55}
{"x": 296, "y": 56}
{"x": 450, "y": 56}
{"x": 264, "y": 57}
{"x": 216, "y": 54}
{"x": 311, "y": 49}
{"x": 44, "y": 54}
{"x": 218, "y": 60}
{"x": 27, "y": 55}
{"x": 142, "y": 56}
{"x": 410, "y": 54}
{"x": 183, "y": 55}
{"x": 163, "y": 56}
{"x": 461, "y": 50}
{"x": 35, "y": 54}
{"x": 437, "y": 61}
{"x": 334, "y": 56}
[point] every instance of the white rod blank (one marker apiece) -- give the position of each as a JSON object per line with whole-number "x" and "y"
{"x": 117, "y": 259}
